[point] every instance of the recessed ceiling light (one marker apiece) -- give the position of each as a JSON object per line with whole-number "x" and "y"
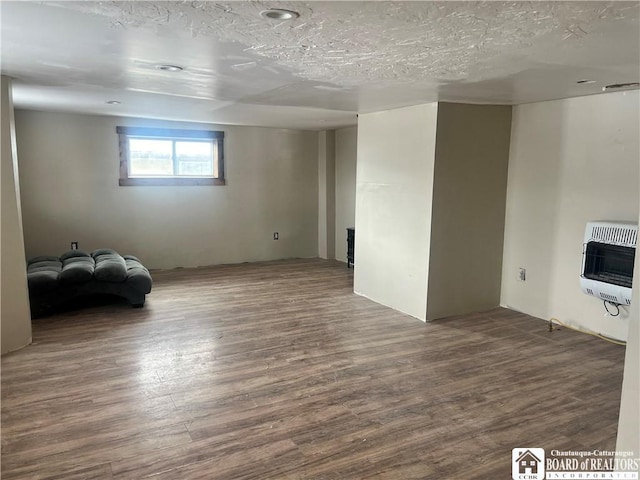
{"x": 585, "y": 81}
{"x": 113, "y": 102}
{"x": 279, "y": 14}
{"x": 169, "y": 68}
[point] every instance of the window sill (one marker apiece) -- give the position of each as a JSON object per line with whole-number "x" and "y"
{"x": 170, "y": 182}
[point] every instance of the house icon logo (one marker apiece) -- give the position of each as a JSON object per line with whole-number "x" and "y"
{"x": 527, "y": 463}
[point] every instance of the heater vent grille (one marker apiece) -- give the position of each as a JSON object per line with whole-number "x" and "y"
{"x": 608, "y": 256}
{"x": 610, "y": 298}
{"x": 615, "y": 235}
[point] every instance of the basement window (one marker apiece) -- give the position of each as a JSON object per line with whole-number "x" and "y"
{"x": 160, "y": 156}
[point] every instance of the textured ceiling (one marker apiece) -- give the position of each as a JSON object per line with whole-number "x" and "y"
{"x": 336, "y": 59}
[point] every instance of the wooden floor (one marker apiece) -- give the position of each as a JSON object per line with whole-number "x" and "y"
{"x": 278, "y": 371}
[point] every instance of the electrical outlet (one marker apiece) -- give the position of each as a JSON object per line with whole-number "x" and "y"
{"x": 522, "y": 274}
{"x": 74, "y": 245}
{"x": 276, "y": 235}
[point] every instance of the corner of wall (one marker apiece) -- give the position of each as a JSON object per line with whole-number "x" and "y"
{"x": 393, "y": 206}
{"x": 15, "y": 316}
{"x": 326, "y": 194}
{"x": 345, "y": 187}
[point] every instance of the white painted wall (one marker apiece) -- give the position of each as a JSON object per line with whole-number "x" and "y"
{"x": 571, "y": 161}
{"x": 346, "y": 154}
{"x": 15, "y": 315}
{"x": 69, "y": 175}
{"x": 326, "y": 194}
{"x": 629, "y": 420}
{"x": 395, "y": 161}
{"x": 469, "y": 194}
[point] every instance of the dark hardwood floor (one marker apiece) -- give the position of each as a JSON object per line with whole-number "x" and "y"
{"x": 278, "y": 371}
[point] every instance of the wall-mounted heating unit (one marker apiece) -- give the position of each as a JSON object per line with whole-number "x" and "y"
{"x": 608, "y": 255}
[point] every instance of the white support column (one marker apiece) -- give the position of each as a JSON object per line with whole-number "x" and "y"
{"x": 15, "y": 316}
{"x": 629, "y": 419}
{"x": 394, "y": 187}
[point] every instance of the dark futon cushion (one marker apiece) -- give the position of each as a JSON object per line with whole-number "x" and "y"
{"x": 110, "y": 266}
{"x": 77, "y": 270}
{"x": 137, "y": 275}
{"x": 42, "y": 273}
{"x": 42, "y": 281}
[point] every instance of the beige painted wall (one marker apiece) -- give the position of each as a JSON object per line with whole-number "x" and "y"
{"x": 15, "y": 316}
{"x": 395, "y": 162}
{"x": 346, "y": 154}
{"x": 326, "y": 194}
{"x": 571, "y": 161}
{"x": 629, "y": 421}
{"x": 69, "y": 177}
{"x": 469, "y": 194}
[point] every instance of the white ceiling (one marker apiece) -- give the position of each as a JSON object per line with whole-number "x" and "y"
{"x": 337, "y": 59}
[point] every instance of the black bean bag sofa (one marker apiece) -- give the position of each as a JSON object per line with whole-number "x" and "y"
{"x": 57, "y": 281}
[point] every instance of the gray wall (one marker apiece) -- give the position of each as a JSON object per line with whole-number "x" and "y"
{"x": 326, "y": 194}
{"x": 469, "y": 194}
{"x": 346, "y": 154}
{"x": 69, "y": 179}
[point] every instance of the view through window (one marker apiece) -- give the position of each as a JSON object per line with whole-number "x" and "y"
{"x": 170, "y": 157}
